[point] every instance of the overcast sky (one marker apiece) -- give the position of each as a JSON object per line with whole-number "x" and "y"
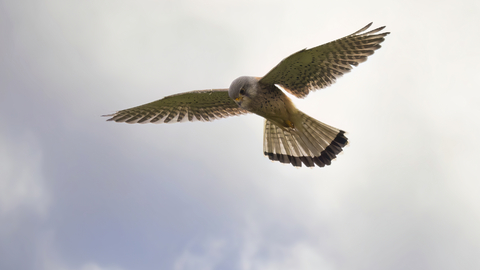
{"x": 80, "y": 193}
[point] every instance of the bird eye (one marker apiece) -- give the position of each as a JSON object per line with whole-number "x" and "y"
{"x": 242, "y": 91}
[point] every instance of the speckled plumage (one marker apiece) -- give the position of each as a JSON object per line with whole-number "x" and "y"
{"x": 290, "y": 136}
{"x": 203, "y": 105}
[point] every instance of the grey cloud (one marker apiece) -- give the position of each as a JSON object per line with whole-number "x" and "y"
{"x": 186, "y": 196}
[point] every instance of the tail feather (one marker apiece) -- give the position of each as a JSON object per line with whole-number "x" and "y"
{"x": 283, "y": 148}
{"x": 312, "y": 143}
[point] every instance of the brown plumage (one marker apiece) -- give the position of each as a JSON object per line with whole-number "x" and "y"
{"x": 290, "y": 136}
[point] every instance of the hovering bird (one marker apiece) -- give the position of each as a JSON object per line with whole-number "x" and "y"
{"x": 290, "y": 136}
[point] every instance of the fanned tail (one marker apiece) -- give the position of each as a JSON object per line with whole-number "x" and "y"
{"x": 313, "y": 143}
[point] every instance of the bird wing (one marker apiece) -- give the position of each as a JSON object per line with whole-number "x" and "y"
{"x": 318, "y": 67}
{"x": 203, "y": 105}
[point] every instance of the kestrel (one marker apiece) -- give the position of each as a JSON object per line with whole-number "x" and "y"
{"x": 290, "y": 136}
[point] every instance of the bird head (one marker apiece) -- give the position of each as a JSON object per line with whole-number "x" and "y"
{"x": 243, "y": 90}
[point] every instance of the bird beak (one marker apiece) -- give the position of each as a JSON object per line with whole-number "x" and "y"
{"x": 238, "y": 99}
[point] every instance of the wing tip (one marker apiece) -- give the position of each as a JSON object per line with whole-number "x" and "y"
{"x": 112, "y": 116}
{"x": 376, "y": 30}
{"x": 363, "y": 29}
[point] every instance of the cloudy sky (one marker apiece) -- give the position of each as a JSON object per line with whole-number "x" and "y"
{"x": 80, "y": 193}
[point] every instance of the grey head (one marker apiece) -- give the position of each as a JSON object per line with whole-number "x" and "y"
{"x": 243, "y": 90}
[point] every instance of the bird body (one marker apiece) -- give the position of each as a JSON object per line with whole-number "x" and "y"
{"x": 265, "y": 100}
{"x": 290, "y": 136}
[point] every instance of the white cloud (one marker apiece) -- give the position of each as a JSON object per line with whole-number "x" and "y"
{"x": 260, "y": 253}
{"x": 94, "y": 266}
{"x": 207, "y": 257}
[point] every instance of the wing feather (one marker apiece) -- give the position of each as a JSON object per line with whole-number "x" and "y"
{"x": 319, "y": 67}
{"x": 203, "y": 105}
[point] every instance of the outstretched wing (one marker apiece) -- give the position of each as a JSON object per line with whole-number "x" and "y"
{"x": 317, "y": 68}
{"x": 204, "y": 105}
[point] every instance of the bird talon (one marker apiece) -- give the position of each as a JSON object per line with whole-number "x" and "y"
{"x": 290, "y": 124}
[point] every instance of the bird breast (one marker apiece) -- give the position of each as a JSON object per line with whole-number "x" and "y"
{"x": 272, "y": 104}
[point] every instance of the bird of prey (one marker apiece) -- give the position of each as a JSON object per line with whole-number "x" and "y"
{"x": 290, "y": 136}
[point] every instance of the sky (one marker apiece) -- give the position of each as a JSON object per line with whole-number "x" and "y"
{"x": 80, "y": 193}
